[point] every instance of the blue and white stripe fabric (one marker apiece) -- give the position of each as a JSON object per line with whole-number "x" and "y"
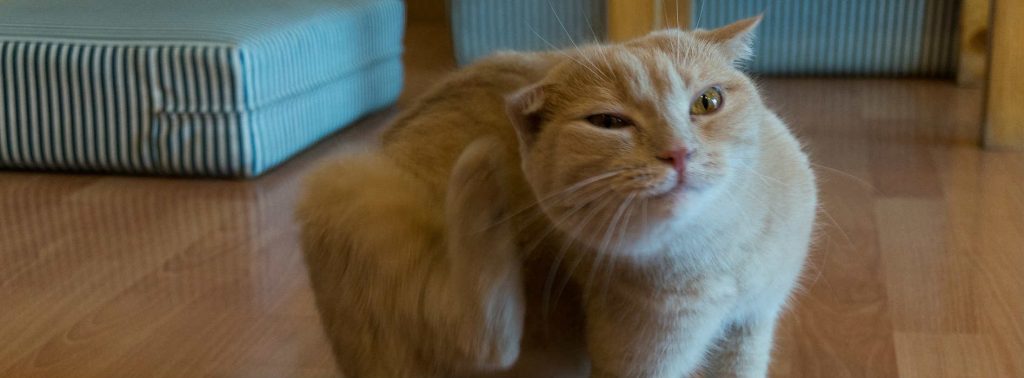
{"x": 842, "y": 37}
{"x": 797, "y": 37}
{"x": 188, "y": 87}
{"x": 481, "y": 27}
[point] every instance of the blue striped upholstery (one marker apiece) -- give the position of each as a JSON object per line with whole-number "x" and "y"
{"x": 481, "y": 27}
{"x": 188, "y": 87}
{"x": 797, "y": 37}
{"x": 843, "y": 37}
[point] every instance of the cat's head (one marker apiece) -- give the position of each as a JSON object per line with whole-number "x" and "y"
{"x": 623, "y": 140}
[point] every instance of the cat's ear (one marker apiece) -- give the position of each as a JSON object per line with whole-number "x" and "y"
{"x": 736, "y": 39}
{"x": 525, "y": 109}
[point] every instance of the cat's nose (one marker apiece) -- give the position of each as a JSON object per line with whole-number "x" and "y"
{"x": 677, "y": 157}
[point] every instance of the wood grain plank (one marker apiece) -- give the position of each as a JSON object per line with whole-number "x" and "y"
{"x": 903, "y": 170}
{"x": 931, "y": 287}
{"x": 986, "y": 225}
{"x": 840, "y": 325}
{"x": 946, "y": 355}
{"x": 629, "y": 19}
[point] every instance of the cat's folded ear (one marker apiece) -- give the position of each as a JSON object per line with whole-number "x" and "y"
{"x": 525, "y": 109}
{"x": 735, "y": 40}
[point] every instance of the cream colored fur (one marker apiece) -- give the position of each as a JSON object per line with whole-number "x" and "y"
{"x": 496, "y": 175}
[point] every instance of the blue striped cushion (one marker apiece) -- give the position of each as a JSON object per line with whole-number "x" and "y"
{"x": 190, "y": 87}
{"x": 797, "y": 37}
{"x": 481, "y": 27}
{"x": 842, "y": 37}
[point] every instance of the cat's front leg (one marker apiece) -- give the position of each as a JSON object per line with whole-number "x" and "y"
{"x": 656, "y": 341}
{"x": 745, "y": 350}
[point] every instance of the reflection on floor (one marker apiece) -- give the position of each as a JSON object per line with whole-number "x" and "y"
{"x": 915, "y": 273}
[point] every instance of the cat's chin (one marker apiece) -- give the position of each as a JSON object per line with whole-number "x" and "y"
{"x": 678, "y": 205}
{"x": 674, "y": 194}
{"x": 677, "y": 197}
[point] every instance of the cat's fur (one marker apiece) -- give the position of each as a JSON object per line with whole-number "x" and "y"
{"x": 496, "y": 173}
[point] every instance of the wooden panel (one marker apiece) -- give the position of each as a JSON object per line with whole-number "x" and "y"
{"x": 1004, "y": 119}
{"x": 974, "y": 23}
{"x": 674, "y": 14}
{"x": 427, "y": 11}
{"x": 629, "y": 19}
{"x": 946, "y": 355}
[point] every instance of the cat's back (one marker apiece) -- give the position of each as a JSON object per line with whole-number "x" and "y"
{"x": 467, "y": 105}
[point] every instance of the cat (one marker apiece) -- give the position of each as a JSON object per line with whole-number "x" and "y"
{"x": 647, "y": 176}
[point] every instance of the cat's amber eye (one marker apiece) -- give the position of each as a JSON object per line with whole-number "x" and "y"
{"x": 609, "y": 121}
{"x": 708, "y": 102}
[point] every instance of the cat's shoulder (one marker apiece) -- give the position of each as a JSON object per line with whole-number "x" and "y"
{"x": 505, "y": 68}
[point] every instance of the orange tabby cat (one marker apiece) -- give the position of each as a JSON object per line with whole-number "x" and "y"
{"x": 649, "y": 172}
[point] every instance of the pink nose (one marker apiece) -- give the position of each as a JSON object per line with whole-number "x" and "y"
{"x": 676, "y": 157}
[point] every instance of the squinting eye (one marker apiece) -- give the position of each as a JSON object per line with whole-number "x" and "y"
{"x": 609, "y": 121}
{"x": 708, "y": 102}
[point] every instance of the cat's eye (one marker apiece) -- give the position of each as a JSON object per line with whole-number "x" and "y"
{"x": 708, "y": 102}
{"x": 609, "y": 121}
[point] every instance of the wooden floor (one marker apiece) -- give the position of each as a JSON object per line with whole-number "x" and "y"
{"x": 918, "y": 270}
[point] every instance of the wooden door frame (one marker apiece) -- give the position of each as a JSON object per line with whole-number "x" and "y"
{"x": 1003, "y": 122}
{"x": 629, "y": 19}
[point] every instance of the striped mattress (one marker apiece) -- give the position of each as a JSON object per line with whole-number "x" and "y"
{"x": 188, "y": 87}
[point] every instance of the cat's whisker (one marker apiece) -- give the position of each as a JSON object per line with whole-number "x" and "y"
{"x": 820, "y": 270}
{"x": 667, "y": 22}
{"x": 678, "y": 43}
{"x": 557, "y": 50}
{"x": 592, "y": 67}
{"x": 590, "y": 26}
{"x": 822, "y": 209}
{"x": 538, "y": 215}
{"x": 764, "y": 178}
{"x": 611, "y": 229}
{"x": 622, "y": 240}
{"x": 565, "y": 217}
{"x": 604, "y": 57}
{"x": 556, "y": 263}
{"x": 849, "y": 176}
{"x": 560, "y": 256}
{"x": 647, "y": 228}
{"x": 549, "y": 227}
{"x": 579, "y": 185}
{"x": 700, "y": 14}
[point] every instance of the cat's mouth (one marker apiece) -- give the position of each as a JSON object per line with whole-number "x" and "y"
{"x": 663, "y": 186}
{"x": 672, "y": 190}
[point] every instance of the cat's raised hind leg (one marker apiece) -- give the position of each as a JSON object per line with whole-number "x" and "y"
{"x": 480, "y": 308}
{"x": 409, "y": 284}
